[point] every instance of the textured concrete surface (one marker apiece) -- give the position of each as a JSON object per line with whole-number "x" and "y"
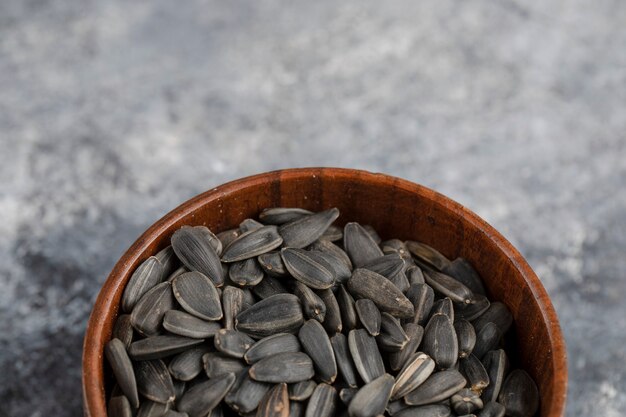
{"x": 114, "y": 112}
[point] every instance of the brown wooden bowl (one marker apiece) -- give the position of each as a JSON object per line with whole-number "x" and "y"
{"x": 396, "y": 208}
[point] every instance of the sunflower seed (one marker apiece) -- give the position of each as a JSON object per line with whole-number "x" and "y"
{"x": 332, "y": 321}
{"x": 287, "y": 367}
{"x": 252, "y": 244}
{"x": 227, "y": 237}
{"x": 232, "y": 342}
{"x": 340, "y": 271}
{"x": 306, "y": 269}
{"x": 332, "y": 251}
{"x": 427, "y": 254}
{"x": 466, "y": 336}
{"x": 248, "y": 298}
{"x": 497, "y": 365}
{"x": 477, "y": 306}
{"x": 268, "y": 287}
{"x": 179, "y": 387}
{"x": 248, "y": 395}
{"x": 232, "y": 303}
{"x": 152, "y": 409}
{"x": 184, "y": 324}
{"x": 392, "y": 336}
{"x": 387, "y": 297}
{"x": 279, "y": 313}
{"x": 488, "y": 338}
{"x": 122, "y": 367}
{"x": 154, "y": 381}
{"x": 270, "y": 345}
{"x": 401, "y": 281}
{"x": 396, "y": 246}
{"x": 246, "y": 272}
{"x": 492, "y": 409}
{"x": 160, "y": 346}
{"x": 440, "y": 341}
{"x": 422, "y": 297}
{"x": 119, "y": 407}
{"x": 187, "y": 365}
{"x": 475, "y": 373}
{"x": 301, "y": 391}
{"x": 272, "y": 264}
{"x": 415, "y": 332}
{"x": 369, "y": 316}
{"x": 323, "y": 402}
{"x": 282, "y": 215}
{"x": 417, "y": 369}
{"x": 347, "y": 394}
{"x": 148, "y": 313}
{"x": 497, "y": 313}
{"x": 249, "y": 224}
{"x": 312, "y": 304}
{"x": 359, "y": 245}
{"x": 202, "y": 398}
{"x": 372, "y": 398}
{"x": 332, "y": 234}
{"x": 433, "y": 410}
{"x": 275, "y": 403}
{"x": 386, "y": 265}
{"x": 466, "y": 401}
{"x": 461, "y": 270}
{"x": 415, "y": 275}
{"x": 217, "y": 364}
{"x": 448, "y": 287}
{"x": 347, "y": 308}
{"x": 195, "y": 247}
{"x": 394, "y": 407}
{"x": 367, "y": 359}
{"x": 316, "y": 344}
{"x": 197, "y": 295}
{"x": 296, "y": 409}
{"x": 147, "y": 275}
{"x": 373, "y": 233}
{"x": 123, "y": 330}
{"x": 306, "y": 230}
{"x": 519, "y": 395}
{"x": 438, "y": 387}
{"x": 443, "y": 306}
{"x": 343, "y": 359}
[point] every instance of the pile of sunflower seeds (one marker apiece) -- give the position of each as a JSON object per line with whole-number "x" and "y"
{"x": 289, "y": 315}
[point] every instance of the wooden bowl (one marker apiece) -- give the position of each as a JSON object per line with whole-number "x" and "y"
{"x": 396, "y": 208}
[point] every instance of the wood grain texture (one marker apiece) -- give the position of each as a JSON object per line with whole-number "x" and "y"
{"x": 396, "y": 208}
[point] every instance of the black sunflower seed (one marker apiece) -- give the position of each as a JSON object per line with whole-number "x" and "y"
{"x": 369, "y": 316}
{"x": 248, "y": 395}
{"x": 306, "y": 230}
{"x": 475, "y": 373}
{"x": 462, "y": 271}
{"x": 438, "y": 387}
{"x": 448, "y": 287}
{"x": 268, "y": 287}
{"x": 154, "y": 381}
{"x": 148, "y": 313}
{"x": 249, "y": 224}
{"x": 227, "y": 237}
{"x": 301, "y": 391}
{"x": 195, "y": 248}
{"x": 332, "y": 321}
{"x": 184, "y": 324}
{"x": 519, "y": 394}
{"x": 386, "y": 265}
{"x": 160, "y": 346}
{"x": 270, "y": 345}
{"x": 415, "y": 275}
{"x": 417, "y": 370}
{"x": 187, "y": 365}
{"x": 427, "y": 254}
{"x": 497, "y": 313}
{"x": 415, "y": 333}
{"x": 365, "y": 354}
{"x": 216, "y": 364}
{"x": 323, "y": 402}
{"x": 422, "y": 297}
{"x": 122, "y": 367}
{"x": 316, "y": 344}
{"x": 245, "y": 272}
{"x": 492, "y": 409}
{"x": 392, "y": 336}
{"x": 283, "y": 367}
{"x": 232, "y": 304}
{"x": 387, "y": 297}
{"x": 282, "y": 215}
{"x": 359, "y": 245}
{"x": 307, "y": 269}
{"x": 197, "y": 295}
{"x": 232, "y": 343}
{"x": 497, "y": 365}
{"x": 152, "y": 409}
{"x": 279, "y": 313}
{"x": 466, "y": 336}
{"x": 147, "y": 275}
{"x": 488, "y": 338}
{"x": 275, "y": 403}
{"x": 252, "y": 244}
{"x": 466, "y": 401}
{"x": 312, "y": 304}
{"x": 347, "y": 308}
{"x": 201, "y": 399}
{"x": 123, "y": 330}
{"x": 272, "y": 264}
{"x": 433, "y": 410}
{"x": 343, "y": 359}
{"x": 476, "y": 307}
{"x": 443, "y": 306}
{"x": 372, "y": 398}
{"x": 119, "y": 407}
{"x": 440, "y": 341}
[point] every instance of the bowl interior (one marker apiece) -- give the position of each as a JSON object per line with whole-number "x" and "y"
{"x": 396, "y": 208}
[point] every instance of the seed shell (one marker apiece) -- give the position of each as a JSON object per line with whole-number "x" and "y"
{"x": 422, "y": 297}
{"x": 122, "y": 367}
{"x": 123, "y": 330}
{"x": 365, "y": 354}
{"x": 232, "y": 343}
{"x": 302, "y": 232}
{"x": 332, "y": 321}
{"x": 307, "y": 269}
{"x": 415, "y": 333}
{"x": 440, "y": 341}
{"x": 343, "y": 359}
{"x": 488, "y": 338}
{"x": 148, "y": 313}
{"x": 301, "y": 391}
{"x": 448, "y": 287}
{"x": 268, "y": 287}
{"x": 323, "y": 402}
{"x": 184, "y": 324}
{"x": 466, "y": 336}
{"x": 270, "y": 345}
{"x": 519, "y": 394}
{"x": 392, "y": 336}
{"x": 497, "y": 313}
{"x": 232, "y": 304}
{"x": 312, "y": 305}
{"x": 282, "y": 215}
{"x": 246, "y": 272}
{"x": 372, "y": 398}
{"x": 275, "y": 403}
{"x": 195, "y": 247}
{"x": 119, "y": 407}
{"x": 217, "y": 364}
{"x": 148, "y": 274}
{"x": 359, "y": 245}
{"x": 427, "y": 254}
{"x": 475, "y": 373}
{"x": 197, "y": 295}
{"x": 497, "y": 365}
{"x": 461, "y": 270}
{"x": 369, "y": 316}
{"x": 272, "y": 264}
{"x": 252, "y": 243}
{"x": 156, "y": 347}
{"x": 187, "y": 365}
{"x": 246, "y": 398}
{"x": 347, "y": 308}
{"x": 287, "y": 367}
{"x": 154, "y": 381}
{"x": 387, "y": 297}
{"x": 417, "y": 369}
{"x": 466, "y": 401}
{"x": 201, "y": 399}
{"x": 279, "y": 313}
{"x": 316, "y": 344}
{"x": 438, "y": 387}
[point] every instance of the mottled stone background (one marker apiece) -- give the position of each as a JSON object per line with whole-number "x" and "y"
{"x": 114, "y": 112}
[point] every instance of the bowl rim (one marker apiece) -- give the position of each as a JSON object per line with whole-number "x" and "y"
{"x": 94, "y": 403}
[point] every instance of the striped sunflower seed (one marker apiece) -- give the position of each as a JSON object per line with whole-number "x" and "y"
{"x": 217, "y": 364}
{"x": 332, "y": 321}
{"x": 275, "y": 403}
{"x": 519, "y": 394}
{"x": 119, "y": 407}
{"x": 187, "y": 365}
{"x": 396, "y": 246}
{"x": 497, "y": 313}
{"x": 343, "y": 359}
{"x": 148, "y": 313}
{"x": 369, "y": 316}
{"x": 301, "y": 391}
{"x": 497, "y": 365}
{"x": 228, "y": 236}
{"x": 466, "y": 336}
{"x": 122, "y": 367}
{"x": 195, "y": 248}
{"x": 415, "y": 333}
{"x": 323, "y": 402}
{"x": 268, "y": 287}
{"x": 169, "y": 261}
{"x": 272, "y": 264}
{"x": 302, "y": 232}
{"x": 232, "y": 304}
{"x": 246, "y": 398}
{"x": 417, "y": 369}
{"x": 270, "y": 345}
{"x": 246, "y": 272}
{"x": 492, "y": 409}
{"x": 312, "y": 304}
{"x": 443, "y": 306}
{"x": 466, "y": 401}
{"x": 332, "y": 234}
{"x": 347, "y": 308}
{"x": 433, "y": 410}
{"x": 386, "y": 265}
{"x": 475, "y": 373}
{"x": 488, "y": 338}
{"x": 401, "y": 281}
{"x": 151, "y": 409}
{"x": 477, "y": 306}
{"x": 232, "y": 343}
{"x": 461, "y": 270}
{"x": 316, "y": 344}
{"x": 200, "y": 400}
{"x": 123, "y": 330}
{"x": 365, "y": 354}
{"x": 154, "y": 381}
{"x": 184, "y": 324}
{"x": 287, "y": 367}
{"x": 415, "y": 275}
{"x": 156, "y": 347}
{"x": 427, "y": 254}
{"x": 359, "y": 245}
{"x": 438, "y": 387}
{"x": 307, "y": 269}
{"x": 147, "y": 275}
{"x": 422, "y": 297}
{"x": 279, "y": 313}
{"x": 387, "y": 297}
{"x": 197, "y": 295}
{"x": 333, "y": 251}
{"x": 347, "y": 394}
{"x": 392, "y": 337}
{"x": 249, "y": 224}
{"x": 252, "y": 244}
{"x": 448, "y": 287}
{"x": 440, "y": 341}
{"x": 282, "y": 215}
{"x": 372, "y": 398}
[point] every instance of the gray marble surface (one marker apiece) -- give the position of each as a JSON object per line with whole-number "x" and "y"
{"x": 114, "y": 112}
